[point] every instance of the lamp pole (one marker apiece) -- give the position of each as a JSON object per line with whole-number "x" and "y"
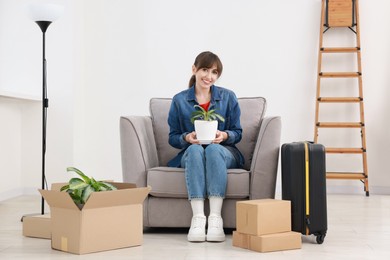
{"x": 44, "y": 15}
{"x": 45, "y": 104}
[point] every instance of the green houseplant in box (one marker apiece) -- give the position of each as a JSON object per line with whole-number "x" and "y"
{"x": 80, "y": 189}
{"x": 206, "y": 123}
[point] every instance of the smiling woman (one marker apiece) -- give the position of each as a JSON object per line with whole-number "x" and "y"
{"x": 220, "y": 147}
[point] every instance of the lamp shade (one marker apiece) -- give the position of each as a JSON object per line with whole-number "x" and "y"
{"x": 45, "y": 12}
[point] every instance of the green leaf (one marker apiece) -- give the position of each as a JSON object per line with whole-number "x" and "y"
{"x": 75, "y": 197}
{"x": 102, "y": 188}
{"x": 219, "y": 117}
{"x": 76, "y": 183}
{"x": 201, "y": 114}
{"x": 82, "y": 175}
{"x": 86, "y": 193}
{"x": 81, "y": 189}
{"x": 108, "y": 186}
{"x": 64, "y": 188}
{"x": 196, "y": 117}
{"x": 95, "y": 185}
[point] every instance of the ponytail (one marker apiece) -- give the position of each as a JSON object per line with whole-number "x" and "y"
{"x": 192, "y": 81}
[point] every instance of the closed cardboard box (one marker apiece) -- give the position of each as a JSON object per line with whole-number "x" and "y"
{"x": 265, "y": 216}
{"x": 275, "y": 242}
{"x": 37, "y": 226}
{"x": 108, "y": 220}
{"x": 268, "y": 243}
{"x": 240, "y": 240}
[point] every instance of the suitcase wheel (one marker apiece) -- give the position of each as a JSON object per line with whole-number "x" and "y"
{"x": 320, "y": 239}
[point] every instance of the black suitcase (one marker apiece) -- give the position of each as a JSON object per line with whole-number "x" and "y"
{"x": 304, "y": 184}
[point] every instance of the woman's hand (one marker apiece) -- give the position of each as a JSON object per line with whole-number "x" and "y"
{"x": 220, "y": 137}
{"x": 191, "y": 138}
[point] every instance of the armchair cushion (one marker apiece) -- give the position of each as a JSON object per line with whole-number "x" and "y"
{"x": 170, "y": 182}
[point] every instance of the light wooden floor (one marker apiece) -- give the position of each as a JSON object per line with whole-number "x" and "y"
{"x": 359, "y": 228}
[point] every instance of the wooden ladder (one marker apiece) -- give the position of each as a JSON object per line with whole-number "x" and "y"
{"x": 342, "y": 13}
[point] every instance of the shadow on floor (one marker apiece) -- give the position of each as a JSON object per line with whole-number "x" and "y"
{"x": 164, "y": 230}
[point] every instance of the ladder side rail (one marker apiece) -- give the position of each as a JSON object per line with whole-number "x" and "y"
{"x": 319, "y": 65}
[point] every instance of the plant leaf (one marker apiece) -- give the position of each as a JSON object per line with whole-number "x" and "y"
{"x": 86, "y": 193}
{"x": 76, "y": 183}
{"x": 201, "y": 114}
{"x": 64, "y": 188}
{"x": 82, "y": 175}
{"x": 95, "y": 184}
{"x": 108, "y": 186}
{"x": 219, "y": 117}
{"x": 75, "y": 197}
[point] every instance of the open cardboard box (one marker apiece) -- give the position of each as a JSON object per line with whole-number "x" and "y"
{"x": 108, "y": 220}
{"x": 38, "y": 225}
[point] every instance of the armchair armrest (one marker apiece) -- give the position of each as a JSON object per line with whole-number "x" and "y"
{"x": 138, "y": 148}
{"x": 265, "y": 159}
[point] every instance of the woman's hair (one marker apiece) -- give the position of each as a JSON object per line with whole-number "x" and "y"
{"x": 206, "y": 60}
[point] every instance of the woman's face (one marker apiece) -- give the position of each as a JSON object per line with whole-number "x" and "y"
{"x": 205, "y": 77}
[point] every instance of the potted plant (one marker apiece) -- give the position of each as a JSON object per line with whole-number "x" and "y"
{"x": 206, "y": 123}
{"x": 80, "y": 189}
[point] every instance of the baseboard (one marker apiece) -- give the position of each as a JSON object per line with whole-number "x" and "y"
{"x": 31, "y": 191}
{"x": 9, "y": 194}
{"x": 13, "y": 193}
{"x": 344, "y": 189}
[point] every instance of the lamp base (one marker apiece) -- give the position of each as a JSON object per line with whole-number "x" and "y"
{"x": 30, "y": 215}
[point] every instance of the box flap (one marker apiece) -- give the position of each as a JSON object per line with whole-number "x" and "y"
{"x": 57, "y": 186}
{"x": 125, "y": 196}
{"x": 58, "y": 199}
{"x": 123, "y": 185}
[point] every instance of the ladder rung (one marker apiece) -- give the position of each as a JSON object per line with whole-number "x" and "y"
{"x": 344, "y": 150}
{"x": 340, "y": 74}
{"x": 340, "y": 124}
{"x": 346, "y": 175}
{"x": 340, "y": 49}
{"x": 340, "y": 99}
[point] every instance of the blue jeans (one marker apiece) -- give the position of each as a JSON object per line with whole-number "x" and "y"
{"x": 206, "y": 170}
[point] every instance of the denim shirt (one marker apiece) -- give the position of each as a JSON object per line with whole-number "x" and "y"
{"x": 225, "y": 103}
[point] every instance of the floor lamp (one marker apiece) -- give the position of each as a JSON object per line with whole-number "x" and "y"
{"x": 44, "y": 15}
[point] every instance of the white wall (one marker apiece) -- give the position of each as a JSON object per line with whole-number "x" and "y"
{"x": 21, "y": 72}
{"x": 10, "y": 151}
{"x": 113, "y": 56}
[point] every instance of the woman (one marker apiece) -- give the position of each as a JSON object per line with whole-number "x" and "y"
{"x": 205, "y": 165}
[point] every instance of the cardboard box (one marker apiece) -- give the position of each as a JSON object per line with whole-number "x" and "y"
{"x": 240, "y": 240}
{"x": 265, "y": 216}
{"x": 109, "y": 219}
{"x": 275, "y": 242}
{"x": 37, "y": 226}
{"x": 268, "y": 243}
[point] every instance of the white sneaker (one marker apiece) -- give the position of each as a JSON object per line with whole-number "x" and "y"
{"x": 197, "y": 231}
{"x": 215, "y": 231}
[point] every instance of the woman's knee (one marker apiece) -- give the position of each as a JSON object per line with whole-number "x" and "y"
{"x": 194, "y": 149}
{"x": 214, "y": 150}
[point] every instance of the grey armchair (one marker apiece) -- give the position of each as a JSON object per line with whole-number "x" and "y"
{"x": 145, "y": 152}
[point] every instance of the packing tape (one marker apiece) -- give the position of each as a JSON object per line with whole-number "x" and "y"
{"x": 64, "y": 244}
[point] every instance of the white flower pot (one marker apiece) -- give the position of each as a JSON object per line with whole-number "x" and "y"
{"x": 206, "y": 130}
